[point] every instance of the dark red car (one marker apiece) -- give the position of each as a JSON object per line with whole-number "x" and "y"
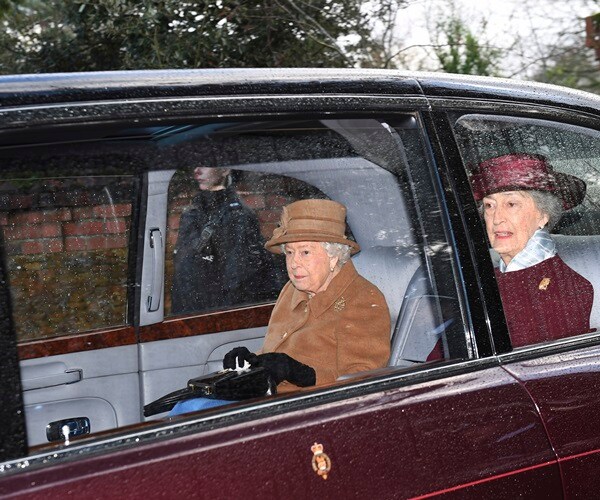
{"x": 95, "y": 174}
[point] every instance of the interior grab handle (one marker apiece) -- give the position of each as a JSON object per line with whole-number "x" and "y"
{"x": 156, "y": 288}
{"x": 49, "y": 375}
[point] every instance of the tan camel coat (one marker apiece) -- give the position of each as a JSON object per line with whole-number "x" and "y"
{"x": 343, "y": 330}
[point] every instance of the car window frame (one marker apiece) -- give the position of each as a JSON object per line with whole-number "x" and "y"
{"x": 388, "y": 379}
{"x": 447, "y": 112}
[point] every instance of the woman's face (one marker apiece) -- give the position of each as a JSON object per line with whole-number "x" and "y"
{"x": 511, "y": 218}
{"x": 309, "y": 266}
{"x": 210, "y": 179}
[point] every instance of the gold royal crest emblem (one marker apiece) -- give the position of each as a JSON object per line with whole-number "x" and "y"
{"x": 321, "y": 463}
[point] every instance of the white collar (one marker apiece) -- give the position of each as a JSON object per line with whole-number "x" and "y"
{"x": 539, "y": 248}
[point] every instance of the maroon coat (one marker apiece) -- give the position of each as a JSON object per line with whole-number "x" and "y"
{"x": 545, "y": 302}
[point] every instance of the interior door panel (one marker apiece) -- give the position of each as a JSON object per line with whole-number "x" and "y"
{"x": 94, "y": 396}
{"x": 167, "y": 365}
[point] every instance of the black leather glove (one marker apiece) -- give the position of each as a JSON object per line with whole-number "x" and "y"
{"x": 239, "y": 354}
{"x": 282, "y": 367}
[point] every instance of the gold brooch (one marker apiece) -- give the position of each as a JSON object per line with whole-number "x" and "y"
{"x": 321, "y": 463}
{"x": 544, "y": 284}
{"x": 340, "y": 304}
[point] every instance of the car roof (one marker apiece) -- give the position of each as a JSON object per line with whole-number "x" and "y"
{"x": 18, "y": 90}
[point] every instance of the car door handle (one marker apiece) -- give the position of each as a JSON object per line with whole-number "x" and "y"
{"x": 65, "y": 429}
{"x": 48, "y": 375}
{"x": 156, "y": 243}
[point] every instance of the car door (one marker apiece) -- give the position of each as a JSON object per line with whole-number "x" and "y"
{"x": 66, "y": 227}
{"x": 562, "y": 375}
{"x": 443, "y": 418}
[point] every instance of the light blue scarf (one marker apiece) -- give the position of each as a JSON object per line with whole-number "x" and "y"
{"x": 539, "y": 248}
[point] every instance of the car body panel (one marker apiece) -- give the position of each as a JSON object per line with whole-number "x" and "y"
{"x": 425, "y": 428}
{"x": 565, "y": 386}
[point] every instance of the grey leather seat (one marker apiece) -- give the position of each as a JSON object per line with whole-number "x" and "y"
{"x": 582, "y": 253}
{"x": 390, "y": 269}
{"x": 417, "y": 322}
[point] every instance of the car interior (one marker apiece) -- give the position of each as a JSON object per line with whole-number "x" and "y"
{"x": 134, "y": 182}
{"x": 370, "y": 166}
{"x": 573, "y": 150}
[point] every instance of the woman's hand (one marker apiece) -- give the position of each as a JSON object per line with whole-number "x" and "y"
{"x": 282, "y": 367}
{"x": 237, "y": 357}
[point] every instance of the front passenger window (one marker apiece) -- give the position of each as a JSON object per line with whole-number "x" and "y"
{"x": 538, "y": 186}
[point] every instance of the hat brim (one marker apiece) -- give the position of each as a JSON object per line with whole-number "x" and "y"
{"x": 274, "y": 244}
{"x": 570, "y": 189}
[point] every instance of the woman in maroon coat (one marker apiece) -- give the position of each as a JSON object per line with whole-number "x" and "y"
{"x": 522, "y": 199}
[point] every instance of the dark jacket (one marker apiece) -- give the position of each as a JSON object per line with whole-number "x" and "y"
{"x": 227, "y": 267}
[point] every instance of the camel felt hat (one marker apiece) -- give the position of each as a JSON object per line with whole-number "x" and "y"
{"x": 526, "y": 172}
{"x": 311, "y": 220}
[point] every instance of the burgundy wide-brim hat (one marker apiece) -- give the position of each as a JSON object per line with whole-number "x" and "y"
{"x": 311, "y": 220}
{"x": 526, "y": 172}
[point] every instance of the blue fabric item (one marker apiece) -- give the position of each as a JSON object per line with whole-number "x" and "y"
{"x": 197, "y": 404}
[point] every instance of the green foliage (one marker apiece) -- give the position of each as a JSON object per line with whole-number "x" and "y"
{"x": 88, "y": 35}
{"x": 461, "y": 52}
{"x": 596, "y": 21}
{"x": 574, "y": 67}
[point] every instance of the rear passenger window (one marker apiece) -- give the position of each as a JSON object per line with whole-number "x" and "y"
{"x": 66, "y": 242}
{"x": 228, "y": 192}
{"x": 85, "y": 263}
{"x": 546, "y": 266}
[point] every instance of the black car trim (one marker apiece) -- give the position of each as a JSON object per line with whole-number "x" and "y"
{"x": 215, "y": 107}
{"x": 551, "y": 347}
{"x": 525, "y": 109}
{"x": 471, "y": 241}
{"x": 13, "y": 442}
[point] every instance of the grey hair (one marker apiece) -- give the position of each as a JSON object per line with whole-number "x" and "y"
{"x": 339, "y": 250}
{"x": 546, "y": 203}
{"x": 549, "y": 205}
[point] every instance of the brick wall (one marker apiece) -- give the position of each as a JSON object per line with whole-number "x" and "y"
{"x": 71, "y": 229}
{"x": 63, "y": 244}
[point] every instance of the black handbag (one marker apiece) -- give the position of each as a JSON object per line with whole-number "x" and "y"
{"x": 233, "y": 386}
{"x": 225, "y": 384}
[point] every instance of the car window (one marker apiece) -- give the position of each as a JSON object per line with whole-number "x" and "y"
{"x": 258, "y": 168}
{"x": 76, "y": 225}
{"x": 66, "y": 242}
{"x": 549, "y": 286}
{"x": 571, "y": 149}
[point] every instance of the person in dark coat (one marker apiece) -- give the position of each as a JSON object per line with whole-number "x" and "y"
{"x": 220, "y": 260}
{"x": 522, "y": 199}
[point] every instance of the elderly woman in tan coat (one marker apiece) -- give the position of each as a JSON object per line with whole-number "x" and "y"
{"x": 328, "y": 320}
